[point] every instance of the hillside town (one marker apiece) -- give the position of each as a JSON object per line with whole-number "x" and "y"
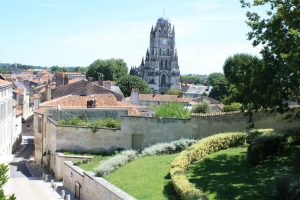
{"x": 108, "y": 131}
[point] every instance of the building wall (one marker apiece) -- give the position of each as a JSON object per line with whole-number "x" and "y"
{"x": 91, "y": 187}
{"x": 6, "y": 122}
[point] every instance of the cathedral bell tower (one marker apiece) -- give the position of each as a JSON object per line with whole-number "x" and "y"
{"x": 160, "y": 67}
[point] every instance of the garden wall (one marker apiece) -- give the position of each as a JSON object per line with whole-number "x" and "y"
{"x": 89, "y": 187}
{"x": 152, "y": 130}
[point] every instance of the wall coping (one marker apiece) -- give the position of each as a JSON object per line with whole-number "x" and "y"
{"x": 147, "y": 117}
{"x": 74, "y": 167}
{"x": 101, "y": 181}
{"x": 61, "y": 154}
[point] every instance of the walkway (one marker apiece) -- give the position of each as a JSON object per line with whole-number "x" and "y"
{"x": 21, "y": 182}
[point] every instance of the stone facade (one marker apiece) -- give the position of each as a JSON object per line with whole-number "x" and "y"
{"x": 160, "y": 67}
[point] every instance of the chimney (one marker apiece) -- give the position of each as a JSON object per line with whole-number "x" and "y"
{"x": 90, "y": 79}
{"x": 107, "y": 84}
{"x": 100, "y": 79}
{"x": 48, "y": 92}
{"x": 135, "y": 96}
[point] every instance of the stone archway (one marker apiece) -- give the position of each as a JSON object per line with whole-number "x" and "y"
{"x": 163, "y": 80}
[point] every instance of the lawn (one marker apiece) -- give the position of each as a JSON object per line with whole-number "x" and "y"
{"x": 91, "y": 165}
{"x": 227, "y": 175}
{"x": 146, "y": 178}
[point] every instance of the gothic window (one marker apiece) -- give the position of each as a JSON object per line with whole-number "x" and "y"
{"x": 161, "y": 64}
{"x": 160, "y": 51}
{"x": 166, "y": 64}
{"x": 163, "y": 80}
{"x": 168, "y": 52}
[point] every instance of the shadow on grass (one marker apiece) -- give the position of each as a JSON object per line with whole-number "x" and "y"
{"x": 169, "y": 191}
{"x": 227, "y": 175}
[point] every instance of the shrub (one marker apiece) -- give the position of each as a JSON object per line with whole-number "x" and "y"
{"x": 232, "y": 107}
{"x": 102, "y": 123}
{"x": 262, "y": 147}
{"x": 202, "y": 148}
{"x": 174, "y": 92}
{"x": 172, "y": 110}
{"x": 110, "y": 165}
{"x": 254, "y": 133}
{"x": 168, "y": 148}
{"x": 292, "y": 138}
{"x": 202, "y": 107}
{"x": 287, "y": 187}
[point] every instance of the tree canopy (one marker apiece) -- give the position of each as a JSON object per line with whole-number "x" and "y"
{"x": 3, "y": 180}
{"x": 278, "y": 33}
{"x": 193, "y": 79}
{"x": 112, "y": 69}
{"x": 220, "y": 86}
{"x": 128, "y": 82}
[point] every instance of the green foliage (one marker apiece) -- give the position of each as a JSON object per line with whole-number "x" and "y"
{"x": 194, "y": 79}
{"x": 232, "y": 107}
{"x": 219, "y": 84}
{"x": 146, "y": 178}
{"x": 202, "y": 107}
{"x": 128, "y": 82}
{"x": 254, "y": 133}
{"x": 184, "y": 188}
{"x": 264, "y": 146}
{"x": 113, "y": 163}
{"x": 112, "y": 69}
{"x": 3, "y": 180}
{"x": 167, "y": 147}
{"x": 243, "y": 72}
{"x": 174, "y": 92}
{"x": 292, "y": 138}
{"x": 278, "y": 34}
{"x": 288, "y": 187}
{"x": 102, "y": 123}
{"x": 172, "y": 110}
{"x": 227, "y": 175}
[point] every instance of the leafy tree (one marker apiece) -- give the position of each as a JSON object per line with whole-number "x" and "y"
{"x": 128, "y": 82}
{"x": 193, "y": 79}
{"x": 219, "y": 84}
{"x": 243, "y": 73}
{"x": 278, "y": 33}
{"x": 232, "y": 107}
{"x": 202, "y": 107}
{"x": 112, "y": 69}
{"x": 3, "y": 180}
{"x": 58, "y": 69}
{"x": 174, "y": 92}
{"x": 172, "y": 110}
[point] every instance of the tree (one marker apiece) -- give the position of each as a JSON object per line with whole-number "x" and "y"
{"x": 193, "y": 79}
{"x": 243, "y": 72}
{"x": 219, "y": 84}
{"x": 202, "y": 107}
{"x": 3, "y": 180}
{"x": 128, "y": 82}
{"x": 278, "y": 33}
{"x": 112, "y": 69}
{"x": 174, "y": 92}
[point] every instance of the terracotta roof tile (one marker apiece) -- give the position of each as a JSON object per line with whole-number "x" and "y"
{"x": 76, "y": 101}
{"x": 4, "y": 82}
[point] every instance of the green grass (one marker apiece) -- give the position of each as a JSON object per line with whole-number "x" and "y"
{"x": 146, "y": 178}
{"x": 91, "y": 165}
{"x": 227, "y": 175}
{"x": 172, "y": 110}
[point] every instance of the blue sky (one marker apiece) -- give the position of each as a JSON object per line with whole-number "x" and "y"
{"x": 77, "y": 32}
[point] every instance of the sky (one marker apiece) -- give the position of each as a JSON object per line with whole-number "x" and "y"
{"x": 77, "y": 32}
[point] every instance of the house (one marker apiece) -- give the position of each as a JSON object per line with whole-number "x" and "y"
{"x": 82, "y": 88}
{"x": 64, "y": 78}
{"x": 10, "y": 122}
{"x": 194, "y": 91}
{"x": 104, "y": 105}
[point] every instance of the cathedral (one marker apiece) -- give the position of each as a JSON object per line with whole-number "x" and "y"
{"x": 160, "y": 67}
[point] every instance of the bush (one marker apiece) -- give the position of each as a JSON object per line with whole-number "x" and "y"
{"x": 202, "y": 107}
{"x": 110, "y": 165}
{"x": 102, "y": 123}
{"x": 254, "y": 133}
{"x": 172, "y": 110}
{"x": 287, "y": 187}
{"x": 202, "y": 148}
{"x": 168, "y": 148}
{"x": 174, "y": 92}
{"x": 232, "y": 107}
{"x": 264, "y": 146}
{"x": 292, "y": 138}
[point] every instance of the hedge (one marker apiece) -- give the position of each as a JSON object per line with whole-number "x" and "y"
{"x": 185, "y": 189}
